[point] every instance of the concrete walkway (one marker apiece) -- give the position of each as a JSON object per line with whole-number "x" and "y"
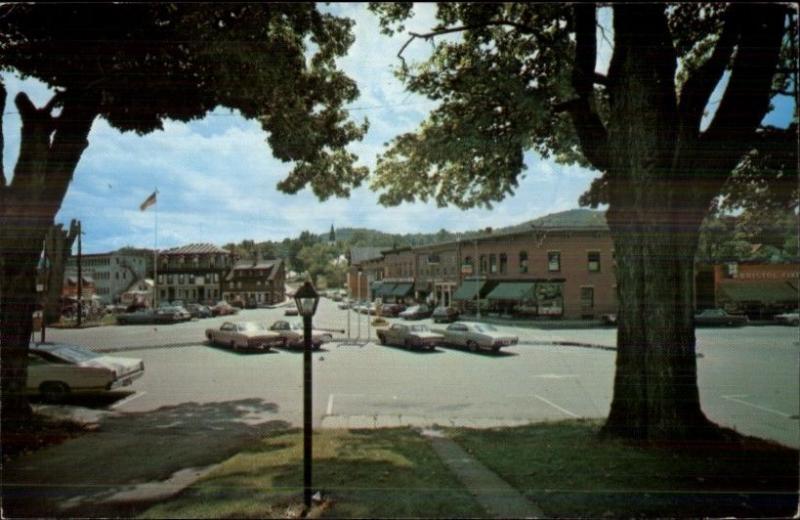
{"x": 495, "y": 495}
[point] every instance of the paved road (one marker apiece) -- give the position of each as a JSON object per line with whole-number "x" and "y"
{"x": 748, "y": 377}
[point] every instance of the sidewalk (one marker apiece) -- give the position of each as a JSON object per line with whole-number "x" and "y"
{"x": 499, "y": 499}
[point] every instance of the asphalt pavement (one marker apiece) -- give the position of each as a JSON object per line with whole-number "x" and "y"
{"x": 748, "y": 377}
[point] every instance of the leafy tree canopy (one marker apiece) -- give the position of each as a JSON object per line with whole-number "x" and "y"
{"x": 138, "y": 64}
{"x": 506, "y": 85}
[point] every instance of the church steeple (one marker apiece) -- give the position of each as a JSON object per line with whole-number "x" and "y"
{"x": 332, "y": 235}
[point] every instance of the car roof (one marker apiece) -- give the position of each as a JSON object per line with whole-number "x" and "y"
{"x": 50, "y": 346}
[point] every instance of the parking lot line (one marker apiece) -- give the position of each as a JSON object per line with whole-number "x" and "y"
{"x": 735, "y": 399}
{"x": 329, "y": 409}
{"x": 128, "y": 399}
{"x": 554, "y": 405}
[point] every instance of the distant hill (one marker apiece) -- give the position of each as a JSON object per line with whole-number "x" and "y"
{"x": 371, "y": 237}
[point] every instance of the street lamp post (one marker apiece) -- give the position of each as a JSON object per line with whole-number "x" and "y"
{"x": 307, "y": 299}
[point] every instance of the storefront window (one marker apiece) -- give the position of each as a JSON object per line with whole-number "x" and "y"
{"x": 493, "y": 263}
{"x": 503, "y": 263}
{"x": 483, "y": 264}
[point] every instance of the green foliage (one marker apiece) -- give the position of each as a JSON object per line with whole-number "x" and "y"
{"x": 143, "y": 63}
{"x": 502, "y": 74}
{"x": 754, "y": 235}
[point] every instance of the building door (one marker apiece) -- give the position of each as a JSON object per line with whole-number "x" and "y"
{"x": 587, "y": 302}
{"x": 170, "y": 294}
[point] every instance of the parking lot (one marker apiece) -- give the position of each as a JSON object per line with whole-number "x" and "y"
{"x": 748, "y": 377}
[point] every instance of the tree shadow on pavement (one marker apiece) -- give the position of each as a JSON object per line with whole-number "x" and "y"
{"x": 127, "y": 449}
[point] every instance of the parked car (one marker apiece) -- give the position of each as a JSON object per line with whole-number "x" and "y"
{"x": 178, "y": 311}
{"x": 444, "y": 314}
{"x": 244, "y": 335}
{"x": 291, "y": 310}
{"x": 719, "y": 318}
{"x": 417, "y": 312}
{"x": 199, "y": 311}
{"x": 57, "y": 370}
{"x": 411, "y": 336}
{"x": 162, "y": 315}
{"x": 344, "y": 304}
{"x": 392, "y": 309}
{"x": 223, "y": 308}
{"x": 251, "y": 304}
{"x": 475, "y": 336}
{"x": 292, "y": 333}
{"x": 788, "y": 318}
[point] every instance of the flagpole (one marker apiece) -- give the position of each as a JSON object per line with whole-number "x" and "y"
{"x": 155, "y": 256}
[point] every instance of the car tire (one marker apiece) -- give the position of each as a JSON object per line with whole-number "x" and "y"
{"x": 408, "y": 344}
{"x": 54, "y": 391}
{"x": 472, "y": 346}
{"x": 234, "y": 345}
{"x": 381, "y": 339}
{"x": 496, "y": 350}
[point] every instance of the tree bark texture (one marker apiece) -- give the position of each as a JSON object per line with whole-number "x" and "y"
{"x": 57, "y": 247}
{"x": 49, "y": 152}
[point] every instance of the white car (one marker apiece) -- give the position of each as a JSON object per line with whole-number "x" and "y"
{"x": 56, "y": 370}
{"x": 244, "y": 335}
{"x": 788, "y": 318}
{"x": 292, "y": 332}
{"x": 476, "y": 336}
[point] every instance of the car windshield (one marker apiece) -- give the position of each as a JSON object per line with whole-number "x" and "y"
{"x": 483, "y": 327}
{"x": 73, "y": 354}
{"x": 250, "y": 327}
{"x": 420, "y": 328}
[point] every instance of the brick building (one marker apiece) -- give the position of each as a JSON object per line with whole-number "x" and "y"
{"x": 365, "y": 272}
{"x": 555, "y": 269}
{"x": 192, "y": 273}
{"x": 256, "y": 281}
{"x": 759, "y": 290}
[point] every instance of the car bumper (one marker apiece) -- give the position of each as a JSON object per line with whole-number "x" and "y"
{"x": 125, "y": 380}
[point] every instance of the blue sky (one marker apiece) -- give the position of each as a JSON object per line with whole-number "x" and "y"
{"x": 216, "y": 177}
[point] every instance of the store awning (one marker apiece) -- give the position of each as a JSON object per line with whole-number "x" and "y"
{"x": 761, "y": 291}
{"x": 468, "y": 289}
{"x": 512, "y": 291}
{"x": 401, "y": 289}
{"x": 385, "y": 289}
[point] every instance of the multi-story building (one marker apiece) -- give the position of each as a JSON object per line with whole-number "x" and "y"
{"x": 192, "y": 273}
{"x": 556, "y": 271}
{"x": 365, "y": 272}
{"x": 399, "y": 272}
{"x": 113, "y": 273}
{"x": 552, "y": 270}
{"x": 256, "y": 281}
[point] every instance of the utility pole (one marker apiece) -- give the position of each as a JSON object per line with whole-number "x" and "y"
{"x": 80, "y": 278}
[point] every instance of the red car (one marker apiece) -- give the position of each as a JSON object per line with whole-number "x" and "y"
{"x": 223, "y": 309}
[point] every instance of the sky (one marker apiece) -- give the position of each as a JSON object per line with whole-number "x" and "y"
{"x": 216, "y": 178}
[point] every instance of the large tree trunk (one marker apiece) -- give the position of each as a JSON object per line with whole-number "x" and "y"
{"x": 655, "y": 388}
{"x": 654, "y": 220}
{"x": 49, "y": 152}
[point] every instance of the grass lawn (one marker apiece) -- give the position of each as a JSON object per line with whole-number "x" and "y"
{"x": 569, "y": 472}
{"x": 363, "y": 473}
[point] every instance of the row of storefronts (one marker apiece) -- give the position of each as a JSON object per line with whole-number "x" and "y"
{"x": 543, "y": 272}
{"x": 549, "y": 272}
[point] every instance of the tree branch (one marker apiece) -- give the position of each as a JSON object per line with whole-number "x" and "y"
{"x": 3, "y": 95}
{"x": 525, "y": 29}
{"x": 591, "y": 132}
{"x": 698, "y": 88}
{"x": 746, "y": 99}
